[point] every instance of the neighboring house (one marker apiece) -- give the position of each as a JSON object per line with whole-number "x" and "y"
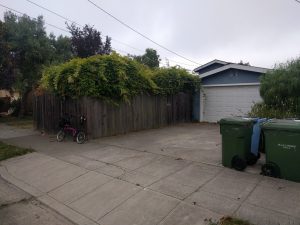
{"x": 9, "y": 94}
{"x": 6, "y": 97}
{"x": 228, "y": 89}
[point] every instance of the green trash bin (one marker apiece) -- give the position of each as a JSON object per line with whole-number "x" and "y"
{"x": 236, "y": 141}
{"x": 282, "y": 146}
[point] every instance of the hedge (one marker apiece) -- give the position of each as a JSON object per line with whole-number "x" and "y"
{"x": 280, "y": 87}
{"x": 115, "y": 78}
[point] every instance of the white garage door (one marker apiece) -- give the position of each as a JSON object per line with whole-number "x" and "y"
{"x": 226, "y": 101}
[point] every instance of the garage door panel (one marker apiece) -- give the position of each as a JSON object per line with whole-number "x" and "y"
{"x": 220, "y": 102}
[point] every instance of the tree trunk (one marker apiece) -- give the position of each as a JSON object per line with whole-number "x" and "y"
{"x": 23, "y": 102}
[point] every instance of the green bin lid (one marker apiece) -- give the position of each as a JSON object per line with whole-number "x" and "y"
{"x": 286, "y": 125}
{"x": 237, "y": 120}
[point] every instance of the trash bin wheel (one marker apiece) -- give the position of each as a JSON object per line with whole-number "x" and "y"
{"x": 252, "y": 159}
{"x": 238, "y": 163}
{"x": 270, "y": 169}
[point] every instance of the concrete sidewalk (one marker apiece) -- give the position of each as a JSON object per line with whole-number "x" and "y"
{"x": 169, "y": 176}
{"x": 19, "y": 208}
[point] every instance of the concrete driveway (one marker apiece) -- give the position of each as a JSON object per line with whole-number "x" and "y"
{"x": 168, "y": 176}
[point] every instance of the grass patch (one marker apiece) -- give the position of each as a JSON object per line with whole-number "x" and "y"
{"x": 24, "y": 123}
{"x": 229, "y": 221}
{"x": 9, "y": 151}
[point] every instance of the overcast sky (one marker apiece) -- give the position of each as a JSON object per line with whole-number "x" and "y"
{"x": 262, "y": 32}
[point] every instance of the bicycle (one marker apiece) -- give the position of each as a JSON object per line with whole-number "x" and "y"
{"x": 66, "y": 128}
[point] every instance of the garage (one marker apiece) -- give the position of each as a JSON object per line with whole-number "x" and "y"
{"x": 228, "y": 89}
{"x": 225, "y": 101}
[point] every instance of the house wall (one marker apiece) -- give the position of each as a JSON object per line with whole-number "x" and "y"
{"x": 4, "y": 93}
{"x": 232, "y": 76}
{"x": 209, "y": 68}
{"x": 7, "y": 93}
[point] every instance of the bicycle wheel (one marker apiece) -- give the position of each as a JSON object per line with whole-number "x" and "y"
{"x": 60, "y": 136}
{"x": 80, "y": 137}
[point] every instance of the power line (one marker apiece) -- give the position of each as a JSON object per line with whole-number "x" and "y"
{"x": 297, "y": 1}
{"x": 179, "y": 62}
{"x": 120, "y": 42}
{"x": 65, "y": 18}
{"x": 59, "y": 28}
{"x": 127, "y": 53}
{"x": 140, "y": 50}
{"x": 49, "y": 24}
{"x": 21, "y": 13}
{"x": 72, "y": 21}
{"x": 139, "y": 33}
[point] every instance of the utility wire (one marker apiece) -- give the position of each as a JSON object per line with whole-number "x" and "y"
{"x": 297, "y": 1}
{"x": 120, "y": 42}
{"x": 126, "y": 53}
{"x": 139, "y": 33}
{"x": 49, "y": 24}
{"x": 71, "y": 21}
{"x": 143, "y": 51}
{"x": 59, "y": 28}
{"x": 114, "y": 39}
{"x": 180, "y": 62}
{"x": 67, "y": 19}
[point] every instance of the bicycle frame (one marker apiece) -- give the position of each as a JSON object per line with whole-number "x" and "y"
{"x": 71, "y": 130}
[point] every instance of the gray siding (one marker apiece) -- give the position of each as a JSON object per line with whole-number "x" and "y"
{"x": 232, "y": 76}
{"x": 209, "y": 68}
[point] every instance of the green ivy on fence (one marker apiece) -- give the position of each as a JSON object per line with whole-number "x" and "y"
{"x": 115, "y": 78}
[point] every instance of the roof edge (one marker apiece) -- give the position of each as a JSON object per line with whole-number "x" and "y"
{"x": 210, "y": 63}
{"x": 235, "y": 66}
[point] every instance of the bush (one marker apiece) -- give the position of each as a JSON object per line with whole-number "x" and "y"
{"x": 173, "y": 80}
{"x": 280, "y": 88}
{"x": 265, "y": 111}
{"x": 114, "y": 78}
{"x": 110, "y": 77}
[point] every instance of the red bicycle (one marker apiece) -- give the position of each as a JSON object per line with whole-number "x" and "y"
{"x": 66, "y": 128}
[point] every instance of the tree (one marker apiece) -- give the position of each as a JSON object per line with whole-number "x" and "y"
{"x": 150, "y": 58}
{"x": 6, "y": 72}
{"x": 88, "y": 42}
{"x": 25, "y": 50}
{"x": 29, "y": 51}
{"x": 62, "y": 49}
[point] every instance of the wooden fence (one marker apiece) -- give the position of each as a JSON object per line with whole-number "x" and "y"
{"x": 104, "y": 119}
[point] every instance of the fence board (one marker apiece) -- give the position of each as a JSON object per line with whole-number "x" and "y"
{"x": 104, "y": 119}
